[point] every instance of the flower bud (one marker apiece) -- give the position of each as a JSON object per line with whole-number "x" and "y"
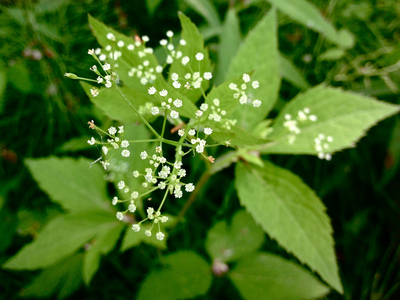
{"x": 71, "y": 75}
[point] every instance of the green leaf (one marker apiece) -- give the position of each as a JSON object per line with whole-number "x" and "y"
{"x": 258, "y": 52}
{"x": 229, "y": 41}
{"x": 61, "y": 238}
{"x": 206, "y": 9}
{"x": 185, "y": 275}
{"x": 103, "y": 243}
{"x": 64, "y": 276}
{"x": 76, "y": 144}
{"x": 231, "y": 242}
{"x": 292, "y": 74}
{"x": 152, "y": 6}
{"x": 194, "y": 45}
{"x": 75, "y": 184}
{"x": 345, "y": 116}
{"x": 307, "y": 14}
{"x": 237, "y": 137}
{"x": 133, "y": 239}
{"x": 3, "y": 85}
{"x": 290, "y": 212}
{"x": 332, "y": 54}
{"x": 274, "y": 278}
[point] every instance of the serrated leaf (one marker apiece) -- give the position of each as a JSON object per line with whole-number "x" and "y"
{"x": 75, "y": 184}
{"x": 206, "y": 9}
{"x": 64, "y": 276}
{"x": 185, "y": 275}
{"x": 258, "y": 52}
{"x": 307, "y": 14}
{"x": 102, "y": 243}
{"x": 291, "y": 213}
{"x": 132, "y": 239}
{"x": 345, "y": 116}
{"x": 274, "y": 278}
{"x": 292, "y": 74}
{"x": 60, "y": 238}
{"x": 229, "y": 242}
{"x": 236, "y": 136}
{"x": 229, "y": 41}
{"x": 194, "y": 45}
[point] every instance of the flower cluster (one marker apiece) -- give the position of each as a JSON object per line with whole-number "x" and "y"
{"x": 322, "y": 146}
{"x": 240, "y": 91}
{"x": 292, "y": 124}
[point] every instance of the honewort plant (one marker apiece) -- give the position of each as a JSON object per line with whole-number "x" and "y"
{"x": 130, "y": 86}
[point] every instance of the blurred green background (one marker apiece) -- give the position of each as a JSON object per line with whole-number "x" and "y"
{"x": 40, "y": 111}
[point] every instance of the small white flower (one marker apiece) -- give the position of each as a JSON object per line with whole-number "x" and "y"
{"x": 152, "y": 90}
{"x": 329, "y": 139}
{"x": 189, "y": 187}
{"x": 91, "y": 51}
{"x": 163, "y": 93}
{"x": 120, "y": 129}
{"x": 174, "y": 114}
{"x": 163, "y": 42}
{"x": 147, "y": 232}
{"x": 108, "y": 84}
{"x": 204, "y": 106}
{"x": 185, "y": 60}
{"x": 176, "y": 84}
{"x": 105, "y": 150}
{"x": 178, "y": 193}
{"x": 112, "y": 130}
{"x": 92, "y": 141}
{"x": 232, "y": 86}
{"x": 199, "y": 56}
{"x": 121, "y": 185}
{"x": 174, "y": 76}
{"x": 246, "y": 77}
{"x": 110, "y": 36}
{"x": 208, "y": 130}
{"x": 216, "y": 102}
{"x": 321, "y": 136}
{"x": 120, "y": 43}
{"x": 114, "y": 201}
{"x": 102, "y": 57}
{"x": 255, "y": 84}
{"x": 94, "y": 68}
{"x": 181, "y": 132}
{"x": 145, "y": 38}
{"x": 120, "y": 216}
{"x": 125, "y": 153}
{"x": 143, "y": 155}
{"x": 159, "y": 69}
{"x": 160, "y": 236}
{"x": 182, "y": 42}
{"x": 192, "y": 132}
{"x": 177, "y": 165}
{"x": 136, "y": 227}
{"x": 182, "y": 173}
{"x": 169, "y": 59}
{"x": 94, "y": 92}
{"x": 135, "y": 174}
{"x": 130, "y": 47}
{"x": 199, "y": 149}
{"x": 207, "y": 75}
{"x": 256, "y": 103}
{"x": 199, "y": 113}
{"x": 170, "y": 33}
{"x": 99, "y": 79}
{"x": 188, "y": 75}
{"x": 312, "y": 118}
{"x": 155, "y": 110}
{"x": 106, "y": 67}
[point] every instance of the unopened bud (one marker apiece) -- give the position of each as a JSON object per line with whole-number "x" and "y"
{"x": 71, "y": 75}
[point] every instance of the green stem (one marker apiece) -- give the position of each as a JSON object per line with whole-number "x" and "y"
{"x": 163, "y": 200}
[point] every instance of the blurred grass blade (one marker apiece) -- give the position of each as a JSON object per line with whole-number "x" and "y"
{"x": 291, "y": 73}
{"x": 206, "y": 9}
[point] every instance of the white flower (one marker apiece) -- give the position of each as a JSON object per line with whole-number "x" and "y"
{"x": 125, "y": 153}
{"x": 91, "y": 141}
{"x": 106, "y": 67}
{"x": 246, "y": 77}
{"x": 174, "y": 76}
{"x": 152, "y": 90}
{"x": 160, "y": 236}
{"x": 169, "y": 59}
{"x": 174, "y": 114}
{"x": 182, "y": 42}
{"x": 120, "y": 216}
{"x": 178, "y": 103}
{"x": 112, "y": 130}
{"x": 243, "y": 99}
{"x": 176, "y": 84}
{"x": 255, "y": 84}
{"x": 306, "y": 110}
{"x": 170, "y": 33}
{"x": 208, "y": 130}
{"x": 329, "y": 139}
{"x": 108, "y": 84}
{"x": 102, "y": 57}
{"x": 94, "y": 92}
{"x": 163, "y": 219}
{"x": 178, "y": 165}
{"x": 91, "y": 51}
{"x": 143, "y": 155}
{"x": 182, "y": 173}
{"x": 147, "y": 232}
{"x": 134, "y": 195}
{"x": 114, "y": 201}
{"x": 256, "y": 103}
{"x": 199, "y": 113}
{"x": 135, "y": 174}
{"x": 185, "y": 60}
{"x": 155, "y": 110}
{"x": 99, "y": 79}
{"x": 105, "y": 150}
{"x": 161, "y": 185}
{"x": 192, "y": 132}
{"x": 130, "y": 47}
{"x": 163, "y": 42}
{"x": 199, "y": 56}
{"x": 216, "y": 102}
{"x": 189, "y": 187}
{"x": 178, "y": 193}
{"x": 207, "y": 75}
{"x": 204, "y": 106}
{"x": 163, "y": 93}
{"x": 121, "y": 185}
{"x": 136, "y": 227}
{"x": 313, "y": 118}
{"x": 199, "y": 149}
{"x": 110, "y": 36}
{"x": 145, "y": 38}
{"x": 159, "y": 69}
{"x": 120, "y": 129}
{"x": 181, "y": 132}
{"x": 120, "y": 43}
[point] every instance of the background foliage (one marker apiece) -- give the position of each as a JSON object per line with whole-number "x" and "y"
{"x": 42, "y": 114}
